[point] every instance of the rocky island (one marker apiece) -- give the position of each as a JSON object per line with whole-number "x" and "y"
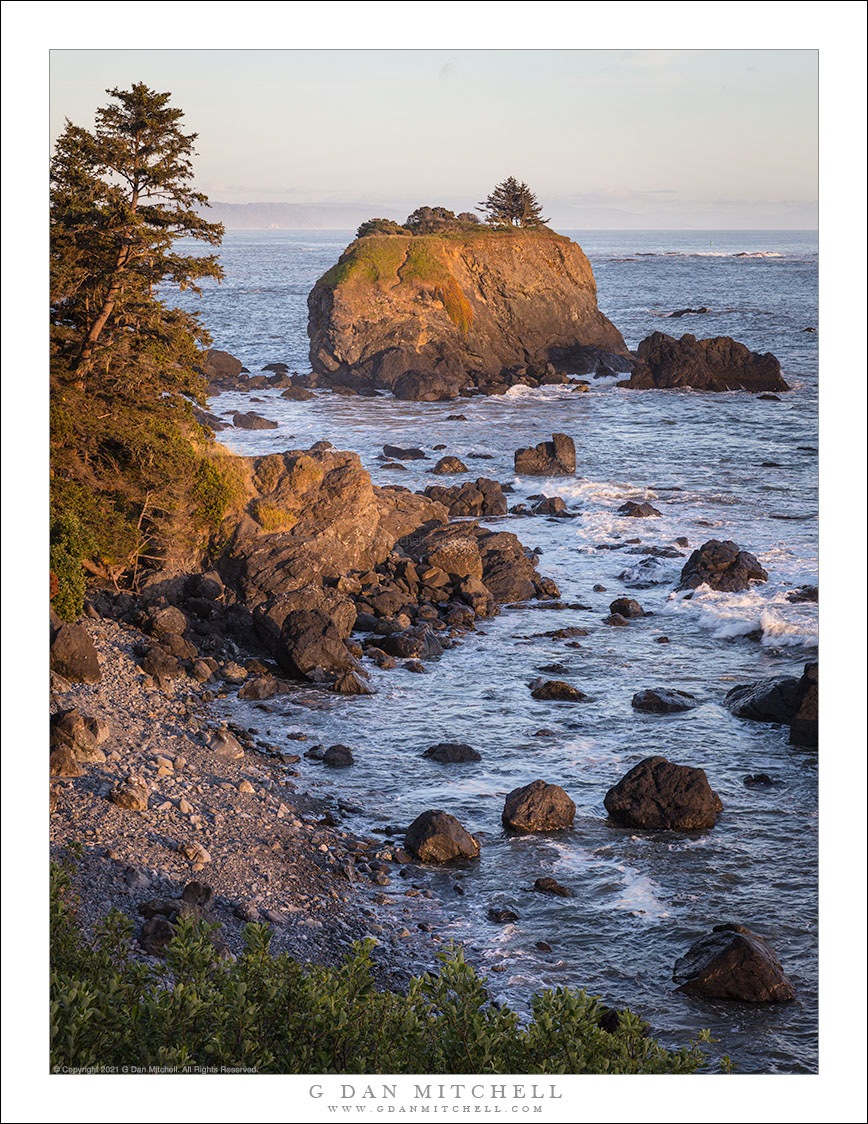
{"x": 429, "y": 316}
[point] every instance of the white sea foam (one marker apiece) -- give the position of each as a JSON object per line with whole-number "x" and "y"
{"x": 730, "y": 615}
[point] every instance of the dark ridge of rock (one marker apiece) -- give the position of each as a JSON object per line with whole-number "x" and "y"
{"x": 437, "y": 837}
{"x": 721, "y": 565}
{"x": 688, "y": 312}
{"x": 663, "y": 700}
{"x": 431, "y": 316}
{"x": 502, "y": 916}
{"x": 295, "y": 393}
{"x": 657, "y": 795}
{"x": 338, "y": 757}
{"x": 538, "y": 806}
{"x": 395, "y": 452}
{"x": 208, "y": 420}
{"x": 804, "y": 728}
{"x": 805, "y": 593}
{"x": 549, "y": 458}
{"x": 252, "y": 421}
{"x": 475, "y": 498}
{"x": 73, "y": 655}
{"x": 731, "y": 962}
{"x": 448, "y": 753}
{"x": 637, "y": 510}
{"x": 715, "y": 364}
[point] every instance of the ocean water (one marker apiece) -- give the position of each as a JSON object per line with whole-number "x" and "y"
{"x": 716, "y": 466}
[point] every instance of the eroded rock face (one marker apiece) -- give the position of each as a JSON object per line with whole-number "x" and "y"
{"x": 716, "y": 364}
{"x": 476, "y": 498}
{"x": 731, "y": 962}
{"x": 426, "y": 316}
{"x": 315, "y": 515}
{"x": 657, "y": 795}
{"x": 538, "y": 807}
{"x": 437, "y": 837}
{"x": 721, "y": 565}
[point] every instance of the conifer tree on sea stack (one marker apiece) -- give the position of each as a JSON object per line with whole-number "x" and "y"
{"x": 513, "y": 204}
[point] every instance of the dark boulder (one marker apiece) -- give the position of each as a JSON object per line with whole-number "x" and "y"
{"x": 637, "y": 510}
{"x": 73, "y": 654}
{"x": 452, "y": 752}
{"x": 731, "y": 962}
{"x": 626, "y": 607}
{"x": 297, "y": 394}
{"x": 338, "y": 757}
{"x": 659, "y": 796}
{"x": 555, "y": 690}
{"x": 550, "y": 458}
{"x": 804, "y": 728}
{"x": 395, "y": 452}
{"x": 722, "y": 566}
{"x": 549, "y": 886}
{"x": 783, "y": 699}
{"x": 551, "y": 505}
{"x": 437, "y": 837}
{"x": 220, "y": 364}
{"x": 538, "y": 806}
{"x": 448, "y": 465}
{"x": 716, "y": 364}
{"x": 252, "y": 421}
{"x": 663, "y": 700}
{"x": 502, "y": 916}
{"x": 309, "y": 639}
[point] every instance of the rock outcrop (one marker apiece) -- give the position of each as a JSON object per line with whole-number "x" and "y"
{"x": 783, "y": 699}
{"x": 549, "y": 458}
{"x": 428, "y": 316}
{"x": 657, "y": 795}
{"x": 719, "y": 363}
{"x": 723, "y": 566}
{"x": 731, "y": 962}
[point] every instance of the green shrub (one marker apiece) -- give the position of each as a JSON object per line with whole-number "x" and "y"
{"x": 70, "y": 544}
{"x": 273, "y": 1015}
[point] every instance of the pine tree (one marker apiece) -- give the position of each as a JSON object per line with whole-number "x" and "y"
{"x": 129, "y": 464}
{"x": 120, "y": 199}
{"x": 512, "y": 204}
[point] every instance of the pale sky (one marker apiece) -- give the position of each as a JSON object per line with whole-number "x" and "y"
{"x": 605, "y": 138}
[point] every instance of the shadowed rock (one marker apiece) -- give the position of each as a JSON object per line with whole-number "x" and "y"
{"x": 716, "y": 364}
{"x": 657, "y": 795}
{"x": 437, "y": 837}
{"x": 549, "y": 458}
{"x": 731, "y": 962}
{"x": 721, "y": 565}
{"x": 663, "y": 700}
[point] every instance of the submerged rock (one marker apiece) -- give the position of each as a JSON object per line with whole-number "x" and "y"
{"x": 716, "y": 364}
{"x": 657, "y": 795}
{"x": 637, "y": 510}
{"x": 555, "y": 690}
{"x": 731, "y": 962}
{"x": 663, "y": 700}
{"x": 452, "y": 752}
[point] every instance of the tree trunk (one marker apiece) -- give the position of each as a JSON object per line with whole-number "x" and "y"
{"x": 111, "y": 296}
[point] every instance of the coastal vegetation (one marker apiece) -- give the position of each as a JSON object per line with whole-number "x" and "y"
{"x": 272, "y": 1014}
{"x": 133, "y": 477}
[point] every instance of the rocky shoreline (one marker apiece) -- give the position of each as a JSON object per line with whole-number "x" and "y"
{"x": 235, "y": 818}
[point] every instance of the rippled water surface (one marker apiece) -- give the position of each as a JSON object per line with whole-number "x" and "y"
{"x": 723, "y": 466}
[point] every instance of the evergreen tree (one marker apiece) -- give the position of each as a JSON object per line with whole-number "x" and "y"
{"x": 129, "y": 465}
{"x": 120, "y": 199}
{"x": 512, "y": 204}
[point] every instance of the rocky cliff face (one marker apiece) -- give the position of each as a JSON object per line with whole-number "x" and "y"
{"x": 430, "y": 315}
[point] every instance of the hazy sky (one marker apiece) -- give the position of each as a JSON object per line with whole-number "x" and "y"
{"x": 604, "y": 138}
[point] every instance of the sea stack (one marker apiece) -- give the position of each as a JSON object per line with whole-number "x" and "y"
{"x": 474, "y": 309}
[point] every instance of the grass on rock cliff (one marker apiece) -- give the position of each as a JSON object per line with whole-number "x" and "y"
{"x": 273, "y": 1015}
